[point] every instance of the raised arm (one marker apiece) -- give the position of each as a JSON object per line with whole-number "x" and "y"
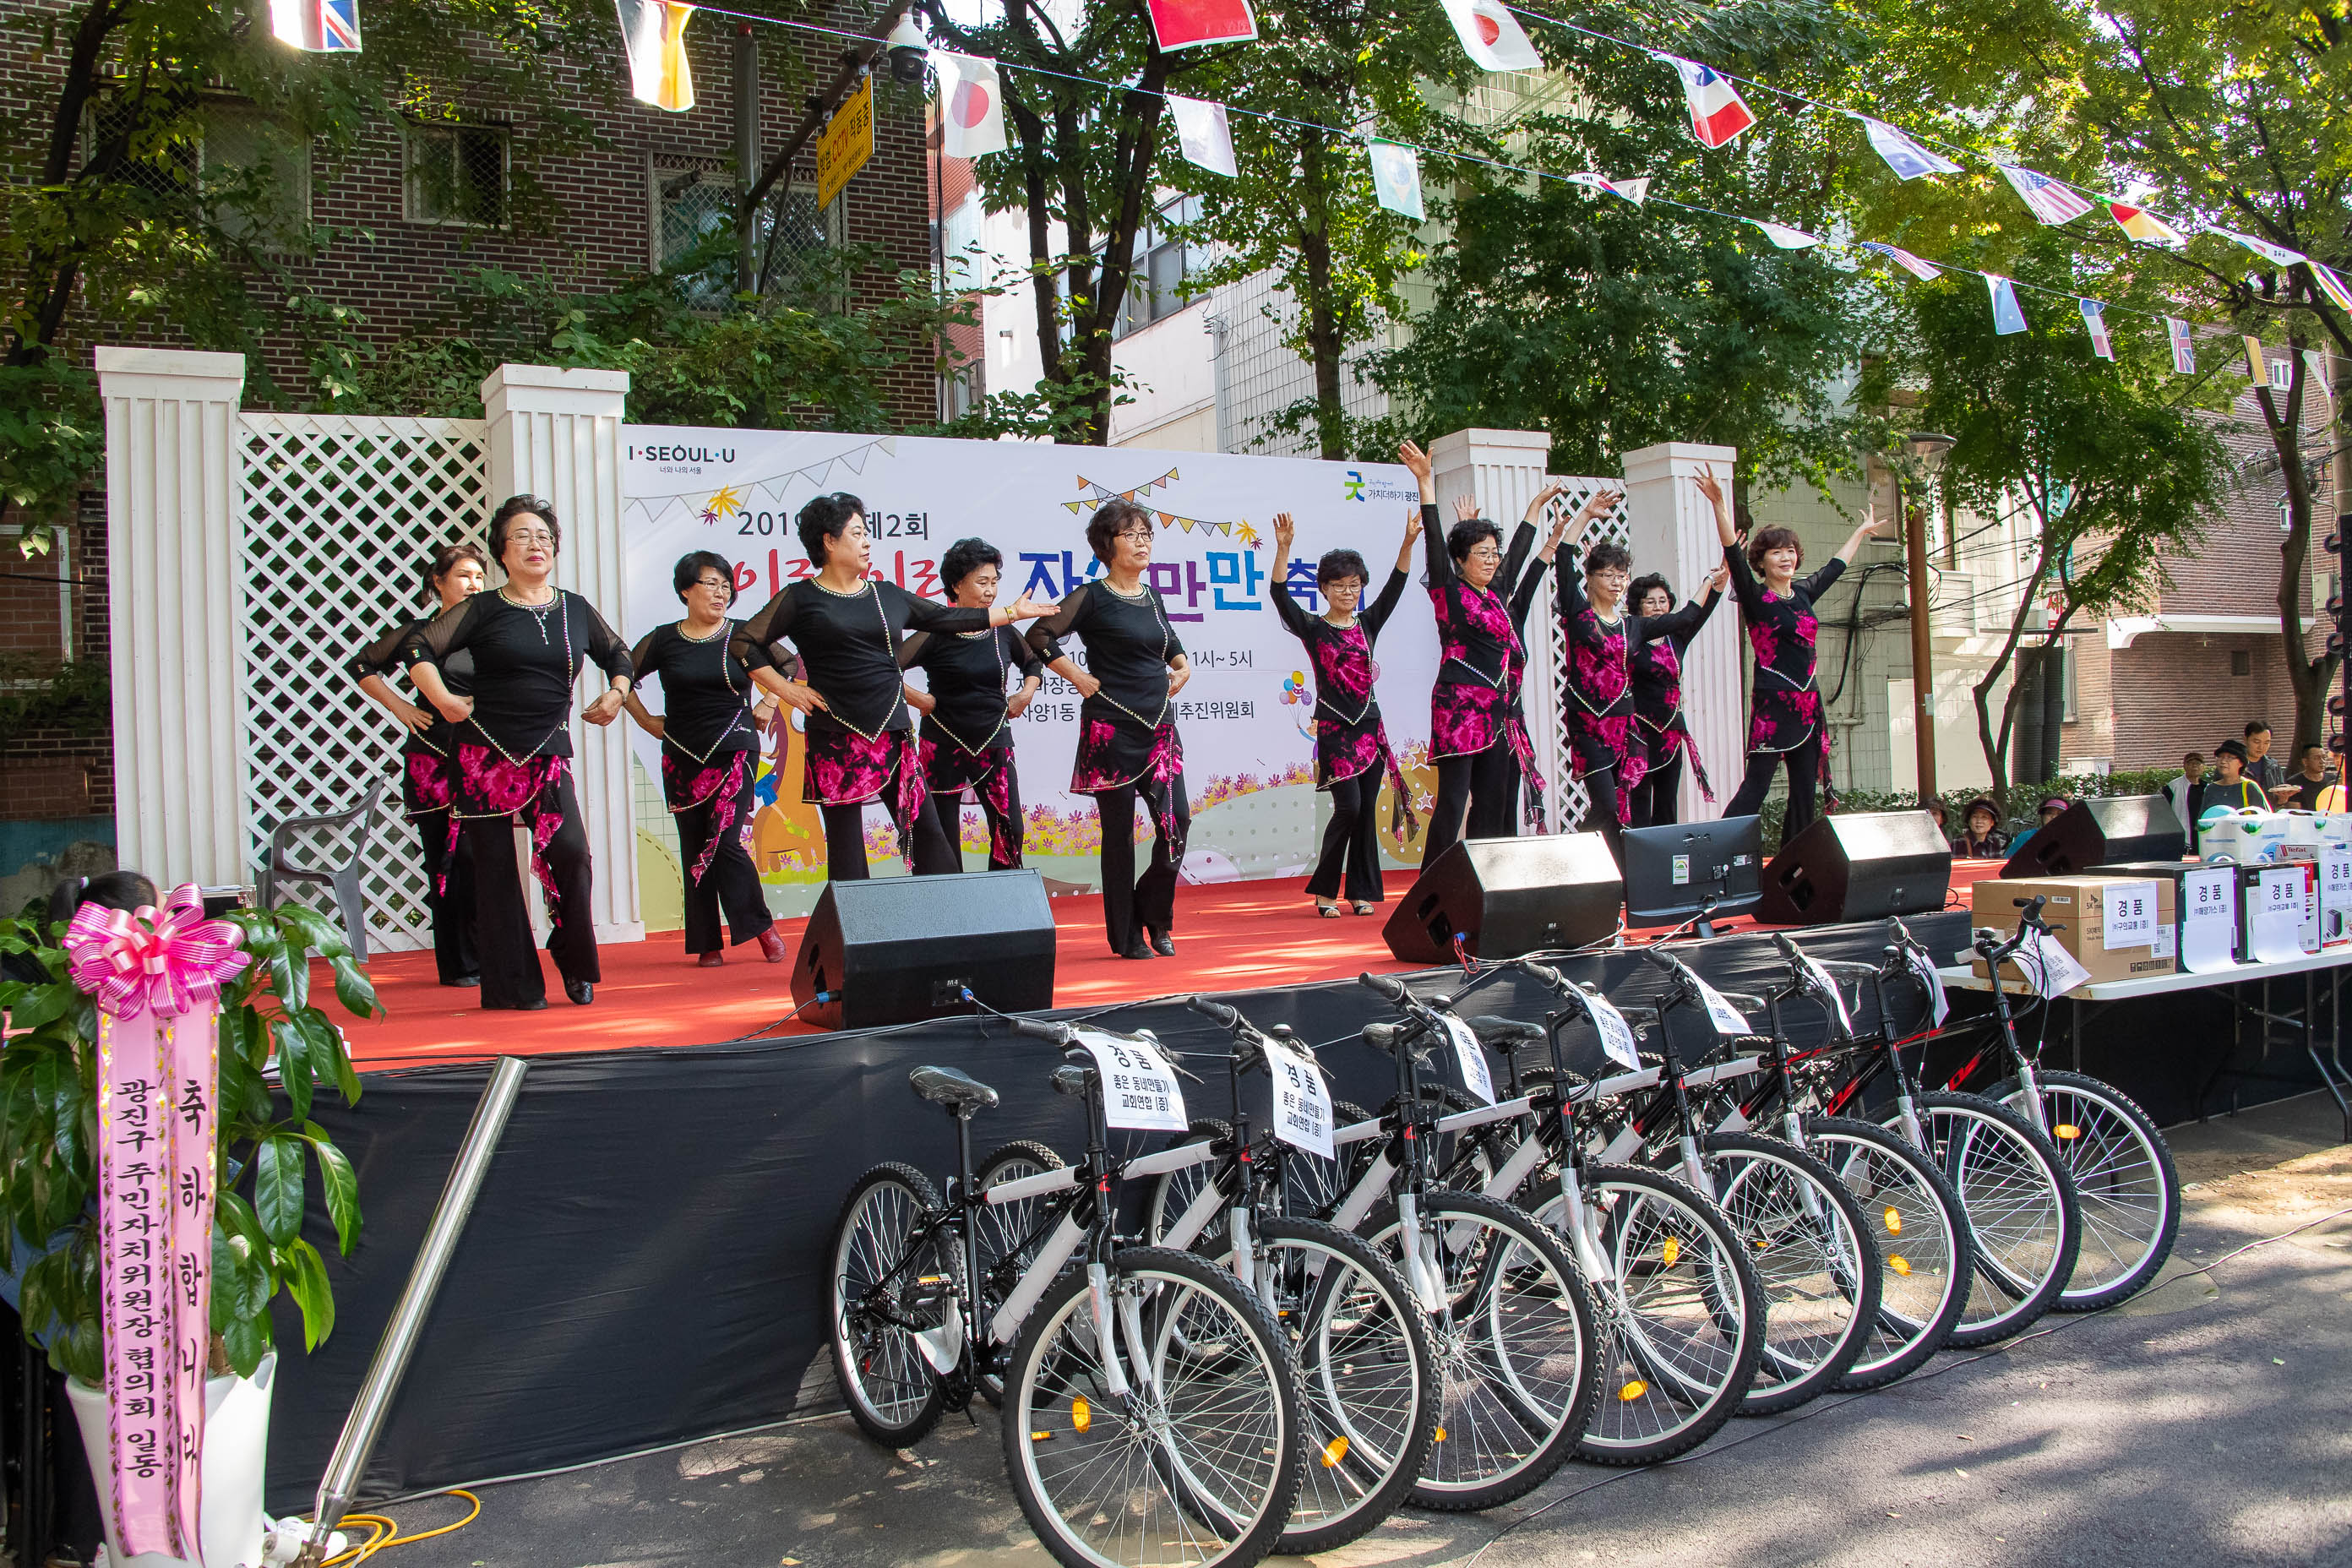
{"x": 1527, "y": 582}
{"x": 1440, "y": 564}
{"x": 1685, "y": 623}
{"x": 1376, "y": 614}
{"x": 1294, "y": 615}
{"x": 1868, "y": 528}
{"x": 1570, "y": 594}
{"x": 1711, "y": 486}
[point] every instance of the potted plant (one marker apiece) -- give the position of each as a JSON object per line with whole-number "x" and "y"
{"x": 267, "y": 1144}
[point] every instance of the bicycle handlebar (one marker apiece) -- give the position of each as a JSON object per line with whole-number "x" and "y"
{"x": 1224, "y": 1016}
{"x": 1039, "y": 1028}
{"x": 1386, "y": 986}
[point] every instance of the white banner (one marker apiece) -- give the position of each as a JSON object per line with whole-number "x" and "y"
{"x": 1244, "y": 717}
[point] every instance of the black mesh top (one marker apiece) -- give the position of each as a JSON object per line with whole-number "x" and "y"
{"x": 849, "y": 645}
{"x": 966, "y": 672}
{"x": 525, "y": 661}
{"x": 1129, "y": 644}
{"x": 707, "y": 693}
{"x": 386, "y": 657}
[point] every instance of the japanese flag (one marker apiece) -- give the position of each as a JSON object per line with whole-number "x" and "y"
{"x": 654, "y": 35}
{"x": 1181, "y": 24}
{"x": 1492, "y": 37}
{"x": 1202, "y": 132}
{"x": 972, "y": 105}
{"x": 1396, "y": 178}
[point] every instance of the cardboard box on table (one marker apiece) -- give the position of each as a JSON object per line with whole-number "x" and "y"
{"x": 2207, "y": 930}
{"x": 2118, "y": 928}
{"x": 2281, "y": 910}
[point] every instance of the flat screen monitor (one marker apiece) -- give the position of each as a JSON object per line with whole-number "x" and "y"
{"x": 1672, "y": 871}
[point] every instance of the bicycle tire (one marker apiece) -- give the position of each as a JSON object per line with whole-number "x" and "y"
{"x": 1173, "y": 1191}
{"x": 1312, "y": 1186}
{"x": 1921, "y": 1229}
{"x": 2021, "y": 1205}
{"x": 1681, "y": 1313}
{"x": 889, "y": 1386}
{"x": 1812, "y": 1247}
{"x": 2120, "y": 1162}
{"x": 1061, "y": 1423}
{"x": 1006, "y": 1233}
{"x": 1514, "y": 1397}
{"x": 1461, "y": 1162}
{"x": 1367, "y": 1375}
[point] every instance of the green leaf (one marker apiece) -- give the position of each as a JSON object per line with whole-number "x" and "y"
{"x": 306, "y": 1281}
{"x": 294, "y": 1073}
{"x": 39, "y": 1003}
{"x": 235, "y": 1216}
{"x": 241, "y": 1282}
{"x": 278, "y": 1187}
{"x": 289, "y": 975}
{"x": 246, "y": 1340}
{"x": 342, "y": 1187}
{"x": 353, "y": 989}
{"x": 323, "y": 934}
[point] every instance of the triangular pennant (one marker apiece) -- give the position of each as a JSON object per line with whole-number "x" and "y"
{"x": 1784, "y": 236}
{"x": 1182, "y": 24}
{"x": 2008, "y": 316}
{"x": 1492, "y": 37}
{"x": 1717, "y": 112}
{"x": 2094, "y": 321}
{"x": 2315, "y": 364}
{"x": 1396, "y": 178}
{"x": 652, "y": 34}
{"x": 972, "y": 105}
{"x": 2279, "y": 254}
{"x": 1927, "y": 270}
{"x": 2050, "y": 201}
{"x": 1166, "y": 517}
{"x": 2146, "y": 227}
{"x": 1636, "y": 190}
{"x": 1905, "y": 156}
{"x": 1202, "y": 134}
{"x": 2330, "y": 284}
{"x": 2254, "y": 360}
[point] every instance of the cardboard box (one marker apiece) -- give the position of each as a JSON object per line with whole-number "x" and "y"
{"x": 2201, "y": 893}
{"x": 2118, "y": 928}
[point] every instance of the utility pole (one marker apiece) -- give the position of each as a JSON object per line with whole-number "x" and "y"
{"x": 1926, "y": 449}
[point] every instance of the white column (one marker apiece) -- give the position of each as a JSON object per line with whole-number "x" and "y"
{"x": 1504, "y": 469}
{"x": 1672, "y": 530}
{"x": 174, "y": 557}
{"x": 556, "y": 434}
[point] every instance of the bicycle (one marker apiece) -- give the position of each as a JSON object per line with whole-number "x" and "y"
{"x": 2020, "y": 1205}
{"x": 1919, "y": 1223}
{"x": 1150, "y": 1412}
{"x": 1366, "y": 1365}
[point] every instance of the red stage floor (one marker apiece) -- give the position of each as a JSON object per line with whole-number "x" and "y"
{"x": 1232, "y": 936}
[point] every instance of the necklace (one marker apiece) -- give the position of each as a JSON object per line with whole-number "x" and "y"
{"x": 727, "y": 674}
{"x": 1136, "y": 597}
{"x": 570, "y": 674}
{"x": 842, "y": 592}
{"x": 719, "y": 630}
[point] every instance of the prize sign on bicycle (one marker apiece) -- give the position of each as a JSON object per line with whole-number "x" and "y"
{"x": 1938, "y": 1007}
{"x": 1140, "y": 1088}
{"x": 1727, "y": 1018}
{"x": 2046, "y": 963}
{"x": 1616, "y": 1034}
{"x": 1471, "y": 1057}
{"x": 1302, "y": 1100}
{"x": 1821, "y": 977}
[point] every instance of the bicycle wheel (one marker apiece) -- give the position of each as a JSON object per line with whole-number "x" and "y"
{"x": 1173, "y": 1193}
{"x": 890, "y": 1282}
{"x": 1680, "y": 1314}
{"x": 1807, "y": 1238}
{"x": 1514, "y": 1347}
{"x": 1368, "y": 1381}
{"x": 1198, "y": 1463}
{"x": 1921, "y": 1230}
{"x": 2123, "y": 1179}
{"x": 2022, "y": 1211}
{"x": 1312, "y": 1186}
{"x": 1007, "y": 1234}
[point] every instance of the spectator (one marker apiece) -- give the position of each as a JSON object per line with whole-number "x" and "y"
{"x": 123, "y": 890}
{"x": 1943, "y": 818}
{"x": 2304, "y": 786}
{"x": 2182, "y": 791}
{"x": 2049, "y": 811}
{"x": 1982, "y": 840}
{"x": 2229, "y": 786}
{"x": 2261, "y": 766}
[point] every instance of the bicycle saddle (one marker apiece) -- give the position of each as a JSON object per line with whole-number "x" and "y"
{"x": 1505, "y": 1032}
{"x": 945, "y": 1086}
{"x": 1072, "y": 1079}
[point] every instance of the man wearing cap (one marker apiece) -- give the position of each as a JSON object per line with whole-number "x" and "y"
{"x": 2182, "y": 791}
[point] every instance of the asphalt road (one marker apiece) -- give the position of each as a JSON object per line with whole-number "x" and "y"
{"x": 2207, "y": 1421}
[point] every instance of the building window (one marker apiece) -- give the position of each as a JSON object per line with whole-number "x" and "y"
{"x": 262, "y": 174}
{"x": 2241, "y": 662}
{"x": 1164, "y": 261}
{"x": 694, "y": 210}
{"x": 457, "y": 174}
{"x": 2281, "y": 374}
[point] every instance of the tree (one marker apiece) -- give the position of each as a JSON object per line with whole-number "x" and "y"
{"x": 2115, "y": 459}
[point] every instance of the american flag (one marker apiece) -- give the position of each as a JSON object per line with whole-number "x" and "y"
{"x": 2050, "y": 201}
{"x": 1906, "y": 260}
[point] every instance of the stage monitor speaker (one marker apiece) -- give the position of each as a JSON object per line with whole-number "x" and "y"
{"x": 1857, "y": 865}
{"x": 2107, "y": 832}
{"x": 892, "y": 949}
{"x": 1505, "y": 897}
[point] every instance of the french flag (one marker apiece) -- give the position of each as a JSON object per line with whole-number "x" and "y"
{"x": 1717, "y": 112}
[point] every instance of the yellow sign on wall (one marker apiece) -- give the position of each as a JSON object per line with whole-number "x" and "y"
{"x": 846, "y": 141}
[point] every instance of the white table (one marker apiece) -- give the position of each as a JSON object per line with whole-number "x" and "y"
{"x": 2329, "y": 962}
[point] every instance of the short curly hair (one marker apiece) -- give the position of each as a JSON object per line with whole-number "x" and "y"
{"x": 1766, "y": 540}
{"x": 694, "y": 563}
{"x": 826, "y": 518}
{"x": 1647, "y": 583}
{"x": 966, "y": 556}
{"x": 1605, "y": 554}
{"x": 1110, "y": 521}
{"x": 521, "y": 506}
{"x": 1339, "y": 565}
{"x": 1465, "y": 536}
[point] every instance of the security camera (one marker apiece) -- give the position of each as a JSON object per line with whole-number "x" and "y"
{"x": 909, "y": 48}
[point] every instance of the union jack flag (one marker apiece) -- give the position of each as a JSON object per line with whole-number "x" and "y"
{"x": 318, "y": 27}
{"x": 2050, "y": 201}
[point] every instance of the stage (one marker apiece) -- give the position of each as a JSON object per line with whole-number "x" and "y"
{"x": 1230, "y": 936}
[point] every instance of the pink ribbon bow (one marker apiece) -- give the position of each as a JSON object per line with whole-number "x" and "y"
{"x": 171, "y": 960}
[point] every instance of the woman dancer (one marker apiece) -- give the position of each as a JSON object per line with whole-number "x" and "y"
{"x": 967, "y": 739}
{"x": 427, "y": 780}
{"x": 1476, "y": 736}
{"x": 1128, "y": 746}
{"x": 1784, "y": 718}
{"x": 1662, "y": 733}
{"x": 861, "y": 734}
{"x": 529, "y": 641}
{"x": 709, "y": 758}
{"x": 1351, "y": 746}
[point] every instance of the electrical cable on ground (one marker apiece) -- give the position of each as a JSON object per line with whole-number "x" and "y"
{"x": 386, "y": 1533}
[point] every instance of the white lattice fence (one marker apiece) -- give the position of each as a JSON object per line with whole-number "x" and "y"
{"x": 339, "y": 512}
{"x": 1565, "y": 802}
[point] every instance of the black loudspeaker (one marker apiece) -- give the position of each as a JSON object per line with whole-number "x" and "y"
{"x": 1860, "y": 866}
{"x": 1505, "y": 897}
{"x": 891, "y": 949}
{"x": 2108, "y": 832}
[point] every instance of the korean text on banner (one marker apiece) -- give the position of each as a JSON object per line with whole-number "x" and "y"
{"x": 1139, "y": 1089}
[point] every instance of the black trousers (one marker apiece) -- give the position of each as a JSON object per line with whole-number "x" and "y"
{"x": 1004, "y": 829}
{"x": 510, "y": 972}
{"x": 1133, "y": 905}
{"x": 1477, "y": 797}
{"x": 1351, "y": 839}
{"x": 1601, "y": 812}
{"x": 845, "y": 839}
{"x": 732, "y": 882}
{"x": 1804, "y": 772}
{"x": 1658, "y": 798}
{"x": 452, "y": 913}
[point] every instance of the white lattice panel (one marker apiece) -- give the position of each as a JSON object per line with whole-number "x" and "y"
{"x": 338, "y": 514}
{"x": 1565, "y": 802}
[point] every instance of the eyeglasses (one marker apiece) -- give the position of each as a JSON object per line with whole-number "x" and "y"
{"x": 534, "y": 536}
{"x": 1134, "y": 533}
{"x": 712, "y": 582}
